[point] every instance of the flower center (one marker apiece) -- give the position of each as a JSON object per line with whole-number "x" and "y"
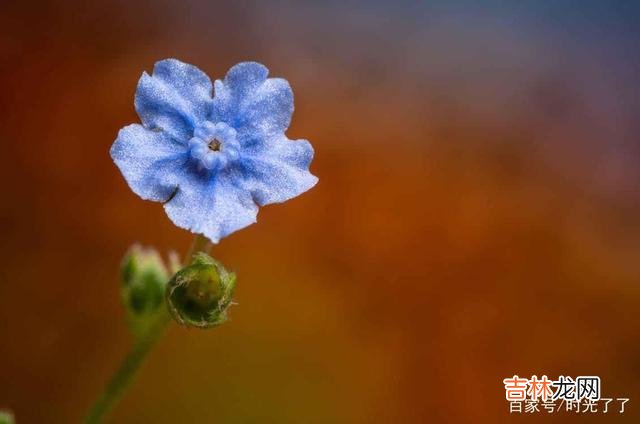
{"x": 214, "y": 145}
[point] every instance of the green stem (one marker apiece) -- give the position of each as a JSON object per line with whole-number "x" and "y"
{"x": 200, "y": 244}
{"x": 142, "y": 346}
{"x": 128, "y": 368}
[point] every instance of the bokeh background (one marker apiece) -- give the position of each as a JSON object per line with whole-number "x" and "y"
{"x": 477, "y": 214}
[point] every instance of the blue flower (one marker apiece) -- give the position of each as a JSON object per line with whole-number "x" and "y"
{"x": 212, "y": 160}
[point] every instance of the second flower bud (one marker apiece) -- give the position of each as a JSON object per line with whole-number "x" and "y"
{"x": 199, "y": 294}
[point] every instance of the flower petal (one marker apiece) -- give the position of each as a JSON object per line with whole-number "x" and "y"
{"x": 278, "y": 170}
{"x": 174, "y": 98}
{"x": 149, "y": 161}
{"x": 251, "y": 103}
{"x": 215, "y": 207}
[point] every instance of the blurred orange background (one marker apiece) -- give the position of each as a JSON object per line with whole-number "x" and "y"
{"x": 477, "y": 214}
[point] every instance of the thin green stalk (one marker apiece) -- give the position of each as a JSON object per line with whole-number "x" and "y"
{"x": 128, "y": 368}
{"x": 142, "y": 346}
{"x": 200, "y": 244}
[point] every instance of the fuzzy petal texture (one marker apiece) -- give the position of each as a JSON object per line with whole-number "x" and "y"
{"x": 252, "y": 103}
{"x": 213, "y": 207}
{"x": 150, "y": 161}
{"x": 278, "y": 170}
{"x": 175, "y": 98}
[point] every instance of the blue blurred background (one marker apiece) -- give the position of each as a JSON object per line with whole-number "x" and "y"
{"x": 476, "y": 216}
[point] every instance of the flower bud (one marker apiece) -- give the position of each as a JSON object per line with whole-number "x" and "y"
{"x": 6, "y": 417}
{"x": 199, "y": 294}
{"x": 144, "y": 277}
